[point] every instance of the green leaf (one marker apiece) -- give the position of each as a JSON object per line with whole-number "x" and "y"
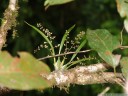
{"x": 45, "y": 37}
{"x": 68, "y": 65}
{"x": 65, "y": 37}
{"x": 126, "y": 24}
{"x": 104, "y": 43}
{"x": 59, "y": 64}
{"x": 24, "y": 73}
{"x": 124, "y": 66}
{"x": 78, "y": 49}
{"x": 71, "y": 62}
{"x": 122, "y": 7}
{"x": 55, "y": 2}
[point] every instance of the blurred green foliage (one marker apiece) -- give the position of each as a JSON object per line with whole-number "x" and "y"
{"x": 94, "y": 14}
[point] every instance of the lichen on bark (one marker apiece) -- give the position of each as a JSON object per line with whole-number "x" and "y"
{"x": 8, "y": 21}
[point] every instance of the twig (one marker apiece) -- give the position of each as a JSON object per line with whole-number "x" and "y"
{"x": 121, "y": 36}
{"x": 8, "y": 21}
{"x": 58, "y": 55}
{"x": 126, "y": 87}
{"x": 104, "y": 91}
{"x": 123, "y": 47}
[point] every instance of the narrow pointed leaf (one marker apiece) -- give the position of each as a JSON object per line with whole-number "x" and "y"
{"x": 78, "y": 49}
{"x": 68, "y": 65}
{"x": 65, "y": 37}
{"x": 104, "y": 43}
{"x": 45, "y": 37}
{"x": 24, "y": 73}
{"x": 61, "y": 46}
{"x": 122, "y": 7}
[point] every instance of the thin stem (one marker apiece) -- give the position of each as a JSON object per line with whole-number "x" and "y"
{"x": 58, "y": 55}
{"x": 104, "y": 91}
{"x": 121, "y": 36}
{"x": 123, "y": 47}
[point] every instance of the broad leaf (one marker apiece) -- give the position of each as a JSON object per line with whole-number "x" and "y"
{"x": 104, "y": 43}
{"x": 55, "y": 2}
{"x": 122, "y": 7}
{"x": 124, "y": 66}
{"x": 24, "y": 73}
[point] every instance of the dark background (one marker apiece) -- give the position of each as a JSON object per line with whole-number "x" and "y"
{"x": 93, "y": 14}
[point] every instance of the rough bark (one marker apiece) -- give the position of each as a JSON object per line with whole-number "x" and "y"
{"x": 8, "y": 21}
{"x": 84, "y": 75}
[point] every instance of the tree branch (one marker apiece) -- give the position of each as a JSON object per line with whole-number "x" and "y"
{"x": 12, "y": 5}
{"x": 84, "y": 75}
{"x": 8, "y": 21}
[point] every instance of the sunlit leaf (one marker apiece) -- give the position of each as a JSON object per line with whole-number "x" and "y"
{"x": 104, "y": 43}
{"x": 126, "y": 24}
{"x": 55, "y": 2}
{"x": 24, "y": 73}
{"x": 122, "y": 7}
{"x": 124, "y": 66}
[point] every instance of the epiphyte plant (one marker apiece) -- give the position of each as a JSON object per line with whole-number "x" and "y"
{"x": 78, "y": 43}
